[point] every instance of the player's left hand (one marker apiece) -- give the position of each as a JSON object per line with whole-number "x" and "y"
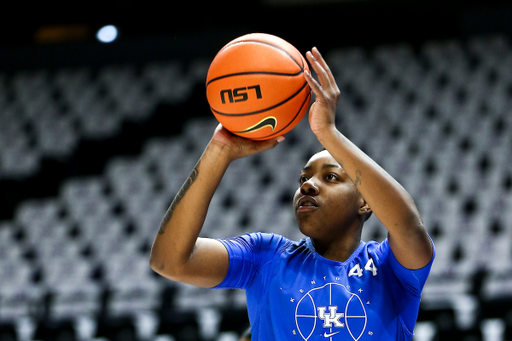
{"x": 323, "y": 111}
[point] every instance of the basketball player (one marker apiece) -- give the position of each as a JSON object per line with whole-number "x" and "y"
{"x": 330, "y": 285}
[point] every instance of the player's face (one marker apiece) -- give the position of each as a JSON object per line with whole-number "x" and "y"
{"x": 326, "y": 204}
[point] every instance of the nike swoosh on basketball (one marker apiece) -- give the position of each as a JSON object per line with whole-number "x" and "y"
{"x": 329, "y": 335}
{"x": 267, "y": 121}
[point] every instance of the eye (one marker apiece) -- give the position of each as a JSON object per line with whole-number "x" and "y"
{"x": 332, "y": 177}
{"x": 303, "y": 178}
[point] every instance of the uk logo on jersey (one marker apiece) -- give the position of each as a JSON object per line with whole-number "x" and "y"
{"x": 331, "y": 312}
{"x": 332, "y": 318}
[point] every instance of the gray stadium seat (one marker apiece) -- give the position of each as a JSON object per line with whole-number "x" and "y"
{"x": 432, "y": 117}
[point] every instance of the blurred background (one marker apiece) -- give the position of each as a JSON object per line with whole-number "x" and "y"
{"x": 103, "y": 114}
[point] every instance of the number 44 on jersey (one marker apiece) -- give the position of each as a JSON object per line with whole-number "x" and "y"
{"x": 357, "y": 271}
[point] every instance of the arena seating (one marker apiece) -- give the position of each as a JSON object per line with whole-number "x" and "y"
{"x": 435, "y": 116}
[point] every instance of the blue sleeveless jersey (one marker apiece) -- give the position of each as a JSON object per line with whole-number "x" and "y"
{"x": 293, "y": 293}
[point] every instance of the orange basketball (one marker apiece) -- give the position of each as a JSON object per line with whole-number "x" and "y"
{"x": 256, "y": 86}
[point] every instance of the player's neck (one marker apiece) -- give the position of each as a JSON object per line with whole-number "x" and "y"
{"x": 339, "y": 249}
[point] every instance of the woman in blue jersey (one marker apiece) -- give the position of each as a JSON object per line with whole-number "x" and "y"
{"x": 330, "y": 285}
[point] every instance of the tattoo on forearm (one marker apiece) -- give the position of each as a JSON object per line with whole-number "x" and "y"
{"x": 358, "y": 179}
{"x": 191, "y": 178}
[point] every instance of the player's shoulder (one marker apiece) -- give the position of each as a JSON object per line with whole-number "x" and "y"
{"x": 266, "y": 237}
{"x": 377, "y": 250}
{"x": 266, "y": 241}
{"x": 374, "y": 245}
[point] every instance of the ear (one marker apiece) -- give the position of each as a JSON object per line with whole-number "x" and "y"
{"x": 364, "y": 209}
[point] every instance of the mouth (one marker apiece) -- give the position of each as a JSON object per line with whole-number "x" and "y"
{"x": 307, "y": 203}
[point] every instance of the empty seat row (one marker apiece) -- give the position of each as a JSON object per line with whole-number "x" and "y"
{"x": 46, "y": 114}
{"x": 445, "y": 140}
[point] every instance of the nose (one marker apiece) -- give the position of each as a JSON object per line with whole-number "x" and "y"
{"x": 309, "y": 187}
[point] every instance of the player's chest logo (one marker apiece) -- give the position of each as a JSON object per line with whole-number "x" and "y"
{"x": 330, "y": 312}
{"x": 333, "y": 310}
{"x": 332, "y": 318}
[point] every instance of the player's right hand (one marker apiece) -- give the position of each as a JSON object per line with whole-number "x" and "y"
{"x": 237, "y": 147}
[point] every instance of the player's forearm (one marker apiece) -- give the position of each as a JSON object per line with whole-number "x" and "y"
{"x": 390, "y": 202}
{"x": 184, "y": 219}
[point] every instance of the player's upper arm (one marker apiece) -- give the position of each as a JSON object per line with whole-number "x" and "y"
{"x": 207, "y": 266}
{"x": 412, "y": 249}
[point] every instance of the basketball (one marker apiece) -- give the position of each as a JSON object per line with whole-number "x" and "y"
{"x": 256, "y": 86}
